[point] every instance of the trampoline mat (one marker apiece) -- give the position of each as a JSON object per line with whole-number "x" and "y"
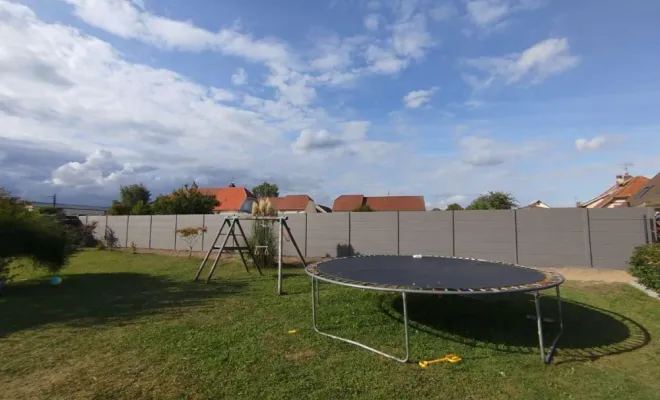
{"x": 428, "y": 272}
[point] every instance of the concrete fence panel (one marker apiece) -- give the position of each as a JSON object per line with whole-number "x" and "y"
{"x": 139, "y": 230}
{"x": 162, "y": 232}
{"x": 83, "y": 219}
{"x": 189, "y": 221}
{"x": 298, "y": 225}
{"x": 328, "y": 235}
{"x": 213, "y": 224}
{"x": 99, "y": 232}
{"x": 614, "y": 235}
{"x": 118, "y": 224}
{"x": 553, "y": 237}
{"x": 374, "y": 232}
{"x": 422, "y": 232}
{"x": 487, "y": 235}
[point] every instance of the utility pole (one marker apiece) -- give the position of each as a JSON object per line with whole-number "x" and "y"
{"x": 54, "y": 197}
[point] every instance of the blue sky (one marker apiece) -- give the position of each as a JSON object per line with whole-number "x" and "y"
{"x": 446, "y": 99}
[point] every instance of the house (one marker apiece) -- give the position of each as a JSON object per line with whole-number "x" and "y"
{"x": 536, "y": 204}
{"x": 648, "y": 195}
{"x": 232, "y": 199}
{"x": 349, "y": 202}
{"x": 617, "y": 195}
{"x": 294, "y": 204}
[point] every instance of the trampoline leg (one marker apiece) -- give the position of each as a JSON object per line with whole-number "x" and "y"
{"x": 547, "y": 357}
{"x": 315, "y": 296}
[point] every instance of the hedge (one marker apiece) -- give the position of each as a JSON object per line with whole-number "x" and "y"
{"x": 645, "y": 265}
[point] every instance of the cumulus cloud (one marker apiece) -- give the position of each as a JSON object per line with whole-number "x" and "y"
{"x": 371, "y": 22}
{"x": 535, "y": 64}
{"x": 486, "y": 152}
{"x": 593, "y": 144}
{"x": 417, "y": 98}
{"x": 487, "y": 14}
{"x": 239, "y": 77}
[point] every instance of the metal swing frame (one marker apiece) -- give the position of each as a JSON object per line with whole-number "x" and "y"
{"x": 233, "y": 222}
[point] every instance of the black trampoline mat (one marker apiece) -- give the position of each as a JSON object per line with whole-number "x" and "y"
{"x": 429, "y": 272}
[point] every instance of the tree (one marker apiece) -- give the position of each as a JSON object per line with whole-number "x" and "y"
{"x": 454, "y": 207}
{"x": 266, "y": 190}
{"x": 363, "y": 208}
{"x": 436, "y": 209}
{"x": 32, "y": 235}
{"x": 185, "y": 200}
{"x": 493, "y": 201}
{"x": 133, "y": 194}
{"x": 133, "y": 199}
{"x": 190, "y": 235}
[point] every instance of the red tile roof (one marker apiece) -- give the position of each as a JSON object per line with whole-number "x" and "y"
{"x": 230, "y": 198}
{"x": 630, "y": 186}
{"x": 291, "y": 202}
{"x": 347, "y": 202}
{"x": 379, "y": 203}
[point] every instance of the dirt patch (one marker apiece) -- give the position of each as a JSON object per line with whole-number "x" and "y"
{"x": 593, "y": 275}
{"x": 300, "y": 356}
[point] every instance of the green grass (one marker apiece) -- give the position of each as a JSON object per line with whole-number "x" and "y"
{"x": 125, "y": 326}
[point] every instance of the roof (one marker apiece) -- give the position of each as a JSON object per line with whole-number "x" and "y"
{"x": 291, "y": 202}
{"x": 649, "y": 194}
{"x": 630, "y": 186}
{"x": 230, "y": 198}
{"x": 347, "y": 202}
{"x": 380, "y": 203}
{"x": 536, "y": 204}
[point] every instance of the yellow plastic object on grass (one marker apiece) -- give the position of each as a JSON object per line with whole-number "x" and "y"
{"x": 293, "y": 331}
{"x": 452, "y": 358}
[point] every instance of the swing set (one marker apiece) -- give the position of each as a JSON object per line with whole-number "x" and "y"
{"x": 262, "y": 222}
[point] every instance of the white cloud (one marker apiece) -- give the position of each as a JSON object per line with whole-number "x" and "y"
{"x": 594, "y": 144}
{"x": 417, "y": 98}
{"x": 97, "y": 170}
{"x": 488, "y": 14}
{"x": 443, "y": 201}
{"x": 544, "y": 59}
{"x": 239, "y": 77}
{"x": 371, "y": 22}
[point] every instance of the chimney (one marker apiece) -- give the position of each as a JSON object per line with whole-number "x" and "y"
{"x": 620, "y": 180}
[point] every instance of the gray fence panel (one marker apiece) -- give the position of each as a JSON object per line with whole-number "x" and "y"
{"x": 162, "y": 232}
{"x": 614, "y": 235}
{"x": 118, "y": 224}
{"x": 298, "y": 225}
{"x": 99, "y": 232}
{"x": 328, "y": 235}
{"x": 487, "y": 235}
{"x": 139, "y": 230}
{"x": 423, "y": 232}
{"x": 374, "y": 232}
{"x": 212, "y": 224}
{"x": 552, "y": 238}
{"x": 83, "y": 219}
{"x": 189, "y": 221}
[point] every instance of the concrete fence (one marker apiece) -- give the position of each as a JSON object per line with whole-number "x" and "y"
{"x": 569, "y": 237}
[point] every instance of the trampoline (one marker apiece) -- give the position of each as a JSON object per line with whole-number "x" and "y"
{"x": 435, "y": 275}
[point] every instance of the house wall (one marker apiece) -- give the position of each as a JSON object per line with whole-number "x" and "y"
{"x": 568, "y": 237}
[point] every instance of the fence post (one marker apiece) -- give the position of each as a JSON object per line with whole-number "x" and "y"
{"x": 203, "y": 233}
{"x": 515, "y": 236}
{"x": 587, "y": 237}
{"x": 176, "y": 226}
{"x": 649, "y": 225}
{"x": 306, "y": 233}
{"x": 151, "y": 222}
{"x": 127, "y": 223}
{"x": 453, "y": 233}
{"x": 350, "y": 244}
{"x": 398, "y": 233}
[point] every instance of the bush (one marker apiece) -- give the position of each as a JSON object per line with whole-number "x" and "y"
{"x": 263, "y": 239}
{"x": 645, "y": 265}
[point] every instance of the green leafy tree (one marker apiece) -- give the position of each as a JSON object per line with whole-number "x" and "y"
{"x": 266, "y": 190}
{"x": 188, "y": 199}
{"x": 363, "y": 208}
{"x": 191, "y": 235}
{"x": 454, "y": 207}
{"x": 493, "y": 201}
{"x": 131, "y": 198}
{"x": 436, "y": 209}
{"x": 41, "y": 238}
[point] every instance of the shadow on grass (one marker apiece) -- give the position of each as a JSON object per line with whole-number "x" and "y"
{"x": 501, "y": 323}
{"x": 101, "y": 298}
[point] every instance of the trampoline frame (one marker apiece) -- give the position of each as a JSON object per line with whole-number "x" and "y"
{"x": 553, "y": 280}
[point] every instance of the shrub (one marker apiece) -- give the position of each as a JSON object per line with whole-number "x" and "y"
{"x": 190, "y": 235}
{"x": 262, "y": 238}
{"x": 645, "y": 265}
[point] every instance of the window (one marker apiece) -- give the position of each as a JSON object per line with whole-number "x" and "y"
{"x": 643, "y": 192}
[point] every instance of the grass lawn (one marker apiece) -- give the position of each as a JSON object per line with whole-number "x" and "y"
{"x": 134, "y": 326}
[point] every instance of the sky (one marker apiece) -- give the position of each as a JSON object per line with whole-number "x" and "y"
{"x": 449, "y": 99}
